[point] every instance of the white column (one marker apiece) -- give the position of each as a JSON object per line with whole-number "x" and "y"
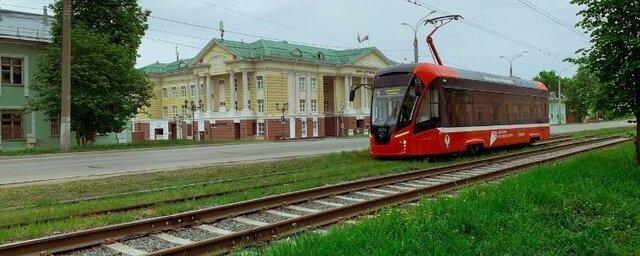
{"x": 209, "y": 96}
{"x": 195, "y": 100}
{"x": 245, "y": 93}
{"x": 25, "y": 75}
{"x": 232, "y": 92}
{"x": 308, "y": 94}
{"x": 221, "y": 97}
{"x": 197, "y": 83}
{"x": 363, "y": 94}
{"x": 347, "y": 89}
{"x": 292, "y": 82}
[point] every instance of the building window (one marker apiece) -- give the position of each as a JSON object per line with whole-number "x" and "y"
{"x": 235, "y": 84}
{"x": 165, "y": 93}
{"x": 261, "y": 106}
{"x": 11, "y": 70}
{"x": 165, "y": 112}
{"x": 303, "y": 105}
{"x": 54, "y": 126}
{"x": 184, "y": 91}
{"x": 313, "y": 84}
{"x": 314, "y": 106}
{"x": 303, "y": 127}
{"x": 249, "y": 103}
{"x": 237, "y": 106}
{"x": 193, "y": 90}
{"x": 174, "y": 110}
{"x": 174, "y": 92}
{"x": 302, "y": 83}
{"x": 222, "y": 103}
{"x": 259, "y": 83}
{"x": 183, "y": 110}
{"x": 260, "y": 129}
{"x": 11, "y": 125}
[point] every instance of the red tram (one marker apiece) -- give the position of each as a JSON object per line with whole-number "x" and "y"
{"x": 426, "y": 109}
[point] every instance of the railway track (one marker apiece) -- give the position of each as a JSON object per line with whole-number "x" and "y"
{"x": 143, "y": 205}
{"x": 219, "y": 229}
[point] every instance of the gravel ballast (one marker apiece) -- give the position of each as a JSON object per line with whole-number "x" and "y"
{"x": 266, "y": 217}
{"x": 232, "y": 225}
{"x": 337, "y": 200}
{"x": 193, "y": 234}
{"x": 149, "y": 244}
{"x": 315, "y": 206}
{"x": 94, "y": 251}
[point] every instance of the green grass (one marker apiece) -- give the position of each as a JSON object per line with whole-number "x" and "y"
{"x": 102, "y": 147}
{"x": 344, "y": 166}
{"x": 35, "y": 202}
{"x": 623, "y": 131}
{"x": 587, "y": 205}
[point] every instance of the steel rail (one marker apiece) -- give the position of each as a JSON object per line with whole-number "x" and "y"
{"x": 224, "y": 244}
{"x": 188, "y": 197}
{"x": 552, "y": 140}
{"x": 138, "y": 206}
{"x": 100, "y": 235}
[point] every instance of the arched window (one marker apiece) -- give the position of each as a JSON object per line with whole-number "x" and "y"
{"x": 296, "y": 52}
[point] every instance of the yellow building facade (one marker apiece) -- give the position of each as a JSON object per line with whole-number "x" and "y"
{"x": 265, "y": 89}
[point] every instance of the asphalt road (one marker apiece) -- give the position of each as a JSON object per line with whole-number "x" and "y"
{"x": 82, "y": 165}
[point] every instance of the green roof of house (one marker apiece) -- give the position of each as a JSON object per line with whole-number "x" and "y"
{"x": 268, "y": 49}
{"x": 163, "y": 68}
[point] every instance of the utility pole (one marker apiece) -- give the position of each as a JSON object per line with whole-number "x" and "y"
{"x": 415, "y": 35}
{"x": 65, "y": 95}
{"x": 510, "y": 60}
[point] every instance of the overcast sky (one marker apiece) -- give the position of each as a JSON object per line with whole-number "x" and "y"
{"x": 337, "y": 23}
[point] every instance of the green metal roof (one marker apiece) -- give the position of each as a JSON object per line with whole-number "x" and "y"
{"x": 268, "y": 49}
{"x": 164, "y": 68}
{"x": 288, "y": 51}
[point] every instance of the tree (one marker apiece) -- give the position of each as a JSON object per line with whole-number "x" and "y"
{"x": 550, "y": 79}
{"x": 106, "y": 89}
{"x": 580, "y": 94}
{"x": 614, "y": 56}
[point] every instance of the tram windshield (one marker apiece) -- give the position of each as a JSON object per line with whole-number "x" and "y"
{"x": 386, "y": 105}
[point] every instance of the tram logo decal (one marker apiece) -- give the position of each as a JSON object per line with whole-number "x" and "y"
{"x": 447, "y": 140}
{"x": 494, "y": 137}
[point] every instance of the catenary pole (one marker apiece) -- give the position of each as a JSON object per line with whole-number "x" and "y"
{"x": 65, "y": 95}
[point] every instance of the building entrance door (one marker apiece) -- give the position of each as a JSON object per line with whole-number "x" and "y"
{"x": 330, "y": 120}
{"x": 236, "y": 131}
{"x": 173, "y": 131}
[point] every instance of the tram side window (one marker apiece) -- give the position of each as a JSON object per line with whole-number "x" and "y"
{"x": 406, "y": 111}
{"x": 429, "y": 112}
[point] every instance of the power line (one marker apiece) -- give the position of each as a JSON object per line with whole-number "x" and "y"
{"x": 241, "y": 33}
{"x": 552, "y": 18}
{"x": 21, "y": 6}
{"x": 447, "y": 61}
{"x": 488, "y": 30}
{"x": 172, "y": 42}
{"x": 180, "y": 34}
{"x": 271, "y": 21}
{"x": 208, "y": 39}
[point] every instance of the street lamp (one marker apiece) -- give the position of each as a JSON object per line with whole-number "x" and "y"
{"x": 415, "y": 34}
{"x": 510, "y": 60}
{"x": 283, "y": 110}
{"x": 560, "y": 80}
{"x": 193, "y": 107}
{"x": 179, "y": 121}
{"x": 342, "y": 127}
